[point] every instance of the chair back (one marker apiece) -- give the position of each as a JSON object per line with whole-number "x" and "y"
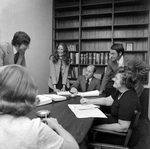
{"x": 135, "y": 119}
{"x": 134, "y": 123}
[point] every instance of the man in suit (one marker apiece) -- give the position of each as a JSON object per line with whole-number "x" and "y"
{"x": 86, "y": 82}
{"x": 14, "y": 52}
{"x": 118, "y": 59}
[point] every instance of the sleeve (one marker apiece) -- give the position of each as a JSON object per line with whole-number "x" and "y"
{"x": 47, "y": 137}
{"x": 76, "y": 84}
{"x": 97, "y": 84}
{"x": 142, "y": 67}
{"x": 126, "y": 107}
{"x": 106, "y": 77}
{"x": 52, "y": 71}
{"x": 1, "y": 56}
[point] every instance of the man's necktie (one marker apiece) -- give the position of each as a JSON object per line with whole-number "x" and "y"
{"x": 16, "y": 57}
{"x": 87, "y": 84}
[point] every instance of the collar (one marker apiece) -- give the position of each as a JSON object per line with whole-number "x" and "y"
{"x": 121, "y": 61}
{"x": 14, "y": 49}
{"x": 90, "y": 80}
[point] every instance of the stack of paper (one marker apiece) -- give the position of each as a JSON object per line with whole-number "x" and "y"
{"x": 48, "y": 98}
{"x": 83, "y": 94}
{"x": 43, "y": 100}
{"x": 85, "y": 111}
{"x": 55, "y": 97}
{"x": 64, "y": 93}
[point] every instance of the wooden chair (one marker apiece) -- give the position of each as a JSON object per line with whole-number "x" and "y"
{"x": 127, "y": 135}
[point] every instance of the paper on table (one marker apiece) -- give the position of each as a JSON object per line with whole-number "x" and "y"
{"x": 84, "y": 94}
{"x": 85, "y": 113}
{"x": 81, "y": 106}
{"x": 47, "y": 98}
{"x": 43, "y": 100}
{"x": 55, "y": 97}
{"x": 64, "y": 93}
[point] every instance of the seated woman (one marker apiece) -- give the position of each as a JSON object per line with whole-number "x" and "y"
{"x": 123, "y": 103}
{"x": 59, "y": 66}
{"x": 17, "y": 98}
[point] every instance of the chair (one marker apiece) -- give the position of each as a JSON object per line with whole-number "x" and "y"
{"x": 127, "y": 135}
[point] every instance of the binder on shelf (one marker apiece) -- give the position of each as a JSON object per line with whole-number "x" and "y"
{"x": 90, "y": 58}
{"x": 87, "y": 58}
{"x": 77, "y": 58}
{"x": 97, "y": 59}
{"x": 94, "y": 58}
{"x": 106, "y": 58}
{"x": 102, "y": 58}
{"x": 129, "y": 46}
{"x": 82, "y": 58}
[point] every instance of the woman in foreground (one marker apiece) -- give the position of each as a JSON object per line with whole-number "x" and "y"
{"x": 17, "y": 98}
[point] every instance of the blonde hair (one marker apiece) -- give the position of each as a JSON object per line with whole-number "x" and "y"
{"x": 17, "y": 90}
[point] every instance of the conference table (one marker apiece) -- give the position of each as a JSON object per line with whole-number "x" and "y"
{"x": 78, "y": 127}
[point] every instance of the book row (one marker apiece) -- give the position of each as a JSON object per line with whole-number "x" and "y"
{"x": 89, "y": 58}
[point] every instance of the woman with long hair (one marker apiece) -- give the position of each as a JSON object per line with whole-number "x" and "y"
{"x": 59, "y": 66}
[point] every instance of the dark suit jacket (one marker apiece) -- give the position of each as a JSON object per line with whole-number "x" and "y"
{"x": 80, "y": 84}
{"x": 137, "y": 65}
{"x": 7, "y": 55}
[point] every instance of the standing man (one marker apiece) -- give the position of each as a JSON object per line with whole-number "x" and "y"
{"x": 14, "y": 52}
{"x": 86, "y": 82}
{"x": 118, "y": 59}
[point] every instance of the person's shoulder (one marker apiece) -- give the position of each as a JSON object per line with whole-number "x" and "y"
{"x": 130, "y": 59}
{"x": 36, "y": 123}
{"x": 95, "y": 79}
{"x": 5, "y": 44}
{"x": 110, "y": 62}
{"x": 81, "y": 77}
{"x": 51, "y": 57}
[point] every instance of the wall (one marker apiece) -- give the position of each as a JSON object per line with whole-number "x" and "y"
{"x": 35, "y": 18}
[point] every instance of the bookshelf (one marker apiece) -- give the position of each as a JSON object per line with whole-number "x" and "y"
{"x": 90, "y": 27}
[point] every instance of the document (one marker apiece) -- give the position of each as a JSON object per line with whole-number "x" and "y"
{"x": 83, "y": 94}
{"x": 55, "y": 97}
{"x": 85, "y": 111}
{"x": 43, "y": 100}
{"x": 48, "y": 98}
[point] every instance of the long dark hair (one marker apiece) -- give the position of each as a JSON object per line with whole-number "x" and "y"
{"x": 66, "y": 56}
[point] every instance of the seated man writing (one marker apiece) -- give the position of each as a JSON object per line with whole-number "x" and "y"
{"x": 86, "y": 82}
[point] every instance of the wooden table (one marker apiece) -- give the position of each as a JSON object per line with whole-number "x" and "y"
{"x": 60, "y": 110}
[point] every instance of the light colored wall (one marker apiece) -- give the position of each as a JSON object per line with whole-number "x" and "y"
{"x": 35, "y": 18}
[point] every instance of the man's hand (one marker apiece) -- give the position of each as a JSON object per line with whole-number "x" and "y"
{"x": 74, "y": 90}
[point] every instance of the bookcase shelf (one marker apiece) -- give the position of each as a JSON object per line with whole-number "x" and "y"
{"x": 90, "y": 27}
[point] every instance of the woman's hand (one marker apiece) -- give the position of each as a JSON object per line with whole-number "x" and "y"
{"x": 64, "y": 88}
{"x": 56, "y": 90}
{"x": 84, "y": 101}
{"x": 51, "y": 122}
